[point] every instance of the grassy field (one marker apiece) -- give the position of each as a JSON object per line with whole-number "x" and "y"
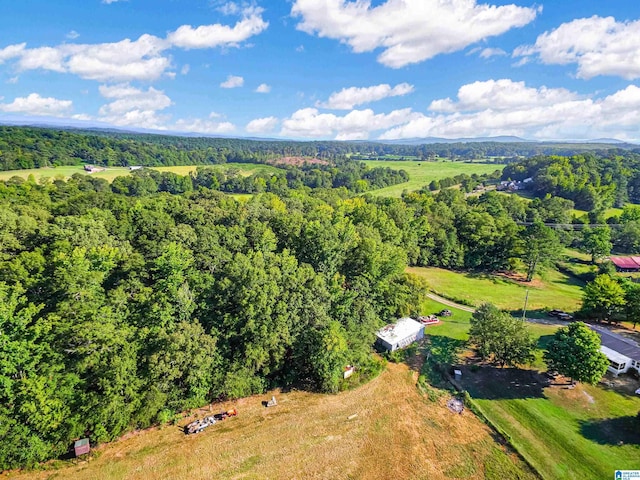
{"x": 554, "y": 291}
{"x": 586, "y": 432}
{"x": 64, "y": 172}
{"x": 112, "y": 172}
{"x": 382, "y": 430}
{"x": 581, "y": 433}
{"x": 422, "y": 173}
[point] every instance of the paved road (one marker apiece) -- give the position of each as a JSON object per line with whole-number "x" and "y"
{"x": 449, "y": 303}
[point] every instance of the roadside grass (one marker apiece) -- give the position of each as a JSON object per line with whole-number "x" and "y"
{"x": 421, "y": 173}
{"x": 554, "y": 290}
{"x": 381, "y": 430}
{"x": 110, "y": 173}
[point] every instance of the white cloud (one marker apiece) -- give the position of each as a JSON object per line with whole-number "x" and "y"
{"x": 408, "y": 31}
{"x": 34, "y": 104}
{"x": 127, "y": 60}
{"x": 131, "y": 106}
{"x": 500, "y": 95}
{"x": 13, "y": 80}
{"x": 599, "y": 46}
{"x": 356, "y": 125}
{"x": 505, "y": 107}
{"x": 262, "y": 125}
{"x": 263, "y": 88}
{"x": 209, "y": 36}
{"x": 348, "y": 98}
{"x": 203, "y": 126}
{"x": 492, "y": 52}
{"x": 81, "y": 116}
{"x": 109, "y": 2}
{"x": 232, "y": 82}
{"x": 11, "y": 51}
{"x": 72, "y": 35}
{"x": 300, "y": 48}
{"x": 185, "y": 69}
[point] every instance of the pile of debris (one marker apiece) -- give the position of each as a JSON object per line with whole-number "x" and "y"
{"x": 455, "y": 405}
{"x": 200, "y": 425}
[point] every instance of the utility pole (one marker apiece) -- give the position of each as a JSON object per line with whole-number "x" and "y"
{"x": 524, "y": 310}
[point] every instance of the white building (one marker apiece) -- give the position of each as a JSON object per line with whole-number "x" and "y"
{"x": 400, "y": 334}
{"x": 623, "y": 354}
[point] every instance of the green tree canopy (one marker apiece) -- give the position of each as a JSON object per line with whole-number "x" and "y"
{"x": 575, "y": 352}
{"x": 603, "y": 298}
{"x": 501, "y": 338}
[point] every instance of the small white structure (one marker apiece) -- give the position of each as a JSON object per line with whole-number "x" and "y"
{"x": 135, "y": 167}
{"x": 618, "y": 363}
{"x": 623, "y": 354}
{"x": 400, "y": 334}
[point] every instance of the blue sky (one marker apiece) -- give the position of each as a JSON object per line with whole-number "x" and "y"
{"x": 327, "y": 69}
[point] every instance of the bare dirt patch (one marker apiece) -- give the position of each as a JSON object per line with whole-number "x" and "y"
{"x": 298, "y": 161}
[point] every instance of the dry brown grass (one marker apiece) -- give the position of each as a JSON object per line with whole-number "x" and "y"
{"x": 396, "y": 434}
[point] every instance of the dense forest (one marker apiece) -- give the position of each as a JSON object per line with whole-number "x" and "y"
{"x": 592, "y": 182}
{"x": 123, "y": 304}
{"x": 26, "y": 147}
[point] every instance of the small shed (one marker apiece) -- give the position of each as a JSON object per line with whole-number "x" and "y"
{"x": 400, "y": 334}
{"x": 82, "y": 447}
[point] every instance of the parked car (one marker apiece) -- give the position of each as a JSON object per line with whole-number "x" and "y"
{"x": 445, "y": 313}
{"x": 560, "y": 315}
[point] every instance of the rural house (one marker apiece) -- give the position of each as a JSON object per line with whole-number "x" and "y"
{"x": 623, "y": 354}
{"x": 400, "y": 334}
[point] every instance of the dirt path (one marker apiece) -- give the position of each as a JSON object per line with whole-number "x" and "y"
{"x": 449, "y": 303}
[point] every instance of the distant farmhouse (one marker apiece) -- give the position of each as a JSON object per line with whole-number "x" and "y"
{"x": 93, "y": 169}
{"x": 623, "y": 354}
{"x": 626, "y": 264}
{"x": 400, "y": 334}
{"x": 514, "y": 186}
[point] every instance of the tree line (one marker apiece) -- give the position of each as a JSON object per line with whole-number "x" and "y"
{"x": 29, "y": 147}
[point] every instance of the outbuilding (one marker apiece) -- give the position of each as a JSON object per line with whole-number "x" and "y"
{"x": 399, "y": 335}
{"x": 626, "y": 264}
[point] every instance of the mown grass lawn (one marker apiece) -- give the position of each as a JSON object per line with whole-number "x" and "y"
{"x": 421, "y": 173}
{"x": 582, "y": 433}
{"x": 554, "y": 290}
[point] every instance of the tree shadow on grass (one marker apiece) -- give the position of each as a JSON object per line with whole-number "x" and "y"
{"x": 443, "y": 350}
{"x": 613, "y": 431}
{"x": 493, "y": 383}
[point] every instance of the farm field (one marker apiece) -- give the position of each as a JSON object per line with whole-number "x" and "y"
{"x": 112, "y": 172}
{"x": 64, "y": 172}
{"x": 396, "y": 433}
{"x": 554, "y": 291}
{"x": 422, "y": 173}
{"x": 246, "y": 169}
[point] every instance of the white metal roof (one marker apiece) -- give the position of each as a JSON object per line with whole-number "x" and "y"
{"x": 614, "y": 356}
{"x": 403, "y": 328}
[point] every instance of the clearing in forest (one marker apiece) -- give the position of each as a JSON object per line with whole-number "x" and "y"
{"x": 555, "y": 290}
{"x": 421, "y": 173}
{"x": 383, "y": 429}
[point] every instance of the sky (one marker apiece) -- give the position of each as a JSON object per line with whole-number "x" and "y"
{"x": 326, "y": 69}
